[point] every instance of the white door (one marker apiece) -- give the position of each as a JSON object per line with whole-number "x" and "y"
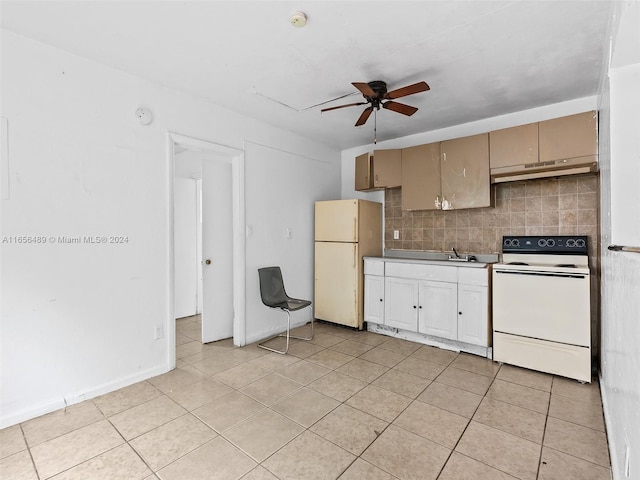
{"x": 439, "y": 309}
{"x": 217, "y": 249}
{"x": 401, "y": 303}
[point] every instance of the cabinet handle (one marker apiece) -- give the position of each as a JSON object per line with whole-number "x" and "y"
{"x": 459, "y": 313}
{"x": 381, "y": 300}
{"x": 376, "y": 179}
{"x": 420, "y": 306}
{"x": 415, "y": 306}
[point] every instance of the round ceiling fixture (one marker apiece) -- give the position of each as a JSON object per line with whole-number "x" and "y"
{"x": 298, "y": 19}
{"x": 144, "y": 116}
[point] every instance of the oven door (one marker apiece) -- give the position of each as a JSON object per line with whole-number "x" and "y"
{"x": 548, "y": 305}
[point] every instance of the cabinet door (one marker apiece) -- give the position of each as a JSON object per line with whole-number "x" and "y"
{"x": 363, "y": 180}
{"x": 473, "y": 315}
{"x": 387, "y": 168}
{"x": 513, "y": 146}
{"x": 373, "y": 299}
{"x": 401, "y": 303}
{"x": 438, "y": 309}
{"x": 569, "y": 137}
{"x": 465, "y": 172}
{"x": 421, "y": 177}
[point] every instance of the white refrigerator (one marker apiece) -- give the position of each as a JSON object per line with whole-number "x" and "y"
{"x": 345, "y": 232}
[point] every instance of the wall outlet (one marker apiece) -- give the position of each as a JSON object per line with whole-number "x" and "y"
{"x": 396, "y": 234}
{"x": 158, "y": 332}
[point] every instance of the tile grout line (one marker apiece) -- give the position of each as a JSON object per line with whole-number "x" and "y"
{"x": 468, "y": 423}
{"x": 24, "y": 437}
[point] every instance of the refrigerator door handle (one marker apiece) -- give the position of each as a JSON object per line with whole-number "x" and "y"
{"x": 355, "y": 254}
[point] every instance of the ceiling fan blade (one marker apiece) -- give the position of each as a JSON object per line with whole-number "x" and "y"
{"x": 408, "y": 90}
{"x": 400, "y": 108}
{"x": 365, "y": 89}
{"x": 343, "y": 106}
{"x": 364, "y": 116}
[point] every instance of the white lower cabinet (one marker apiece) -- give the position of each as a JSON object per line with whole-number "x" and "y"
{"x": 401, "y": 303}
{"x": 447, "y": 302}
{"x": 374, "y": 299}
{"x": 473, "y": 314}
{"x": 438, "y": 309}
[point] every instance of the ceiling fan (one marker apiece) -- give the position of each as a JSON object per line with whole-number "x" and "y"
{"x": 377, "y": 96}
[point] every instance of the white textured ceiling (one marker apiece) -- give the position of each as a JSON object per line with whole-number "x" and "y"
{"x": 481, "y": 58}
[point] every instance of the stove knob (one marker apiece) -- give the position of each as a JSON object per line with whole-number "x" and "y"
{"x": 542, "y": 242}
{"x": 515, "y": 242}
{"x": 580, "y": 243}
{"x": 571, "y": 243}
{"x": 507, "y": 242}
{"x": 551, "y": 242}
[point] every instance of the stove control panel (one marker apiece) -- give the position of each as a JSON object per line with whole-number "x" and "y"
{"x": 559, "y": 245}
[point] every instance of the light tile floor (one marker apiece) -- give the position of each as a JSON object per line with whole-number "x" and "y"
{"x": 350, "y": 405}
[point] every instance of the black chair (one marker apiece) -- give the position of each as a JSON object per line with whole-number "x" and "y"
{"x": 274, "y": 296}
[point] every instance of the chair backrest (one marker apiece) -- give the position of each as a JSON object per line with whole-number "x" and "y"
{"x": 272, "y": 287}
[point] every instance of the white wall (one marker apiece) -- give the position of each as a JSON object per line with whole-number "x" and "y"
{"x": 185, "y": 247}
{"x": 620, "y": 176}
{"x": 281, "y": 176}
{"x": 78, "y": 320}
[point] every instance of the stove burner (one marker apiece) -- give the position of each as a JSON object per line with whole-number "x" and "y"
{"x": 566, "y": 265}
{"x": 517, "y": 263}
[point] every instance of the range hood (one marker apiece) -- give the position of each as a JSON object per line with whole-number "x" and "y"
{"x": 554, "y": 168}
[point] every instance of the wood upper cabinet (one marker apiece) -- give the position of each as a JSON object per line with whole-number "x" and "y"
{"x": 421, "y": 177}
{"x": 387, "y": 168}
{"x": 569, "y": 137}
{"x": 383, "y": 169}
{"x": 465, "y": 172}
{"x": 364, "y": 180}
{"x": 514, "y": 146}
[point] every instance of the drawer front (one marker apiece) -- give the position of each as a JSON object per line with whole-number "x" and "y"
{"x": 550, "y": 357}
{"x": 373, "y": 267}
{"x": 473, "y": 276}
{"x": 438, "y": 273}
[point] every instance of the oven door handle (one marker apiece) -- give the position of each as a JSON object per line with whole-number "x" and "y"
{"x": 543, "y": 274}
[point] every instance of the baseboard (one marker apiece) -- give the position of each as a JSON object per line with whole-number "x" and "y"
{"x": 32, "y": 411}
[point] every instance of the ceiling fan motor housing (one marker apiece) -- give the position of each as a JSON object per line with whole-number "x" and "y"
{"x": 380, "y": 88}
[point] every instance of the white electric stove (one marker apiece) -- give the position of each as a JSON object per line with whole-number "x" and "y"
{"x": 541, "y": 305}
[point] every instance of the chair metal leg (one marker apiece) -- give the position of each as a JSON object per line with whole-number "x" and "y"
{"x": 287, "y": 335}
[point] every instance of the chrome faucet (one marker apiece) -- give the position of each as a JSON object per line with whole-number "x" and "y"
{"x": 453, "y": 249}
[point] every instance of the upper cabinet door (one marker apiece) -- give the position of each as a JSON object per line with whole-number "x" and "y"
{"x": 363, "y": 180}
{"x": 569, "y": 137}
{"x": 514, "y": 146}
{"x": 387, "y": 168}
{"x": 465, "y": 172}
{"x": 336, "y": 221}
{"x": 421, "y": 177}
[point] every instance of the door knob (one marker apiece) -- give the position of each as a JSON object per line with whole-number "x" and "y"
{"x": 207, "y": 261}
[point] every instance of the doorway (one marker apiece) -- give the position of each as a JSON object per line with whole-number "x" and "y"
{"x": 212, "y": 177}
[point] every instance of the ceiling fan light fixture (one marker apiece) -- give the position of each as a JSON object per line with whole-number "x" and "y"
{"x": 298, "y": 19}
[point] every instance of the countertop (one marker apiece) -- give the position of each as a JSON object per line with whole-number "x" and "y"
{"x": 434, "y": 258}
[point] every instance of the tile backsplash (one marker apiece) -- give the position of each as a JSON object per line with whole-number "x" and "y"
{"x": 553, "y": 206}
